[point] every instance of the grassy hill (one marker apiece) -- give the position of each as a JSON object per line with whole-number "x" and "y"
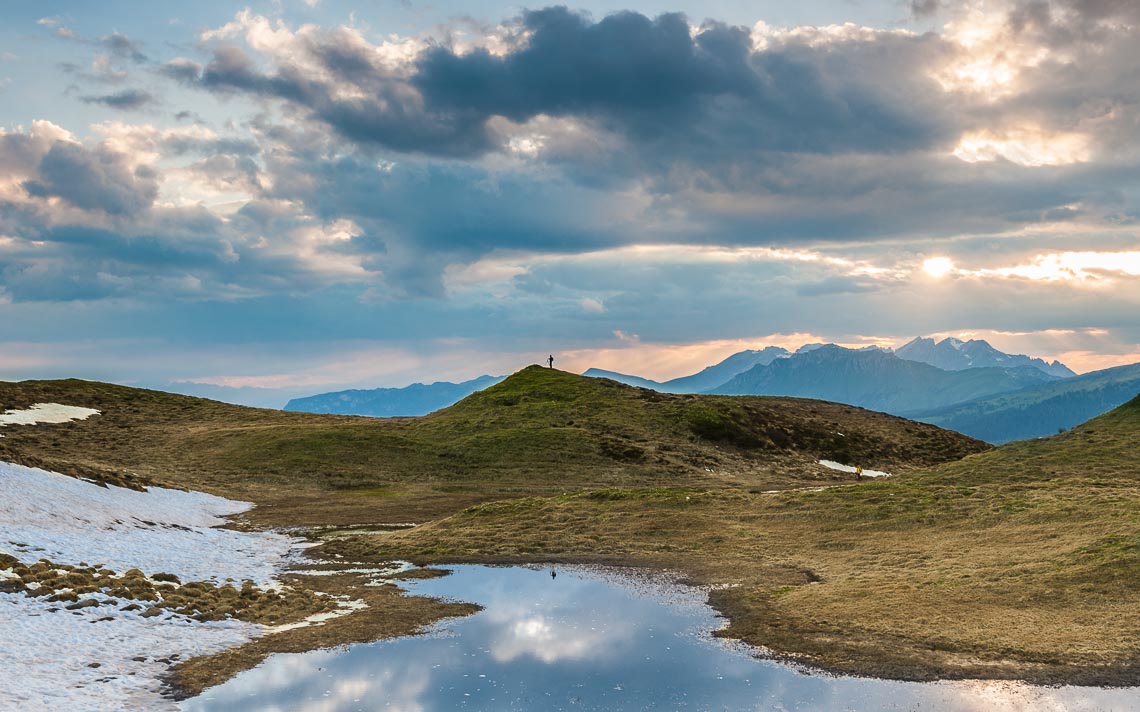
{"x": 540, "y": 431}
{"x": 1020, "y": 562}
{"x": 1038, "y": 410}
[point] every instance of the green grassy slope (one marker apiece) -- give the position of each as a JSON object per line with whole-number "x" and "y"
{"x": 1106, "y": 448}
{"x": 537, "y": 430}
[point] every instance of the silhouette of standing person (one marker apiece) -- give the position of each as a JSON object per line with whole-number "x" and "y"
{"x": 553, "y": 573}
{"x": 550, "y": 361}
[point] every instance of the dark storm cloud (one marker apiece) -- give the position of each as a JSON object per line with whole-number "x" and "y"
{"x": 97, "y": 180}
{"x": 386, "y": 115}
{"x": 626, "y": 63}
{"x": 649, "y": 80}
{"x": 655, "y": 83}
{"x": 128, "y": 99}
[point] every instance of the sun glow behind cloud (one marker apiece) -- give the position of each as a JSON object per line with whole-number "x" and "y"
{"x": 1084, "y": 268}
{"x": 988, "y": 61}
{"x": 1027, "y": 147}
{"x": 938, "y": 267}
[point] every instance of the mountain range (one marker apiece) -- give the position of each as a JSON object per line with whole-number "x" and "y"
{"x": 968, "y": 386}
{"x": 416, "y": 399}
{"x": 1040, "y": 410}
{"x": 705, "y": 380}
{"x": 953, "y": 354}
{"x": 876, "y": 379}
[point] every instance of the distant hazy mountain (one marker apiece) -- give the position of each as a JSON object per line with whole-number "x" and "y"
{"x": 416, "y": 399}
{"x": 1039, "y": 410}
{"x": 707, "y": 379}
{"x": 622, "y": 378}
{"x": 721, "y": 373}
{"x": 876, "y": 379}
{"x": 237, "y": 395}
{"x": 953, "y": 354}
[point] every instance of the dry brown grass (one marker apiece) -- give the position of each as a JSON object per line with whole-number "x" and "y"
{"x": 901, "y": 579}
{"x": 160, "y": 592}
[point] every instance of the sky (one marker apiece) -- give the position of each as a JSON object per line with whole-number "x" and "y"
{"x": 299, "y": 196}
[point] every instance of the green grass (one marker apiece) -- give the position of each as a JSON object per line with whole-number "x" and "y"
{"x": 540, "y": 431}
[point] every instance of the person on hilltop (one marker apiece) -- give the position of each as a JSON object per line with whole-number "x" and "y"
{"x": 550, "y": 361}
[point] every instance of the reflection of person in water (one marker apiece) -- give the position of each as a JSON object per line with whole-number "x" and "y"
{"x": 550, "y": 361}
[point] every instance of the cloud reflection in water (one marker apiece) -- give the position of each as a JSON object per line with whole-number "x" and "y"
{"x": 591, "y": 640}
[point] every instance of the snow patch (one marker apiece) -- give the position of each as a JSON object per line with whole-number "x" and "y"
{"x": 104, "y": 657}
{"x": 346, "y": 606}
{"x": 68, "y": 521}
{"x": 45, "y": 413}
{"x": 848, "y": 468}
{"x": 55, "y": 651}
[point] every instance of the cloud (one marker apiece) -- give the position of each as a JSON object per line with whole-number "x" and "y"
{"x": 592, "y": 306}
{"x": 653, "y": 81}
{"x": 182, "y": 69}
{"x": 97, "y": 180}
{"x": 925, "y": 8}
{"x": 129, "y": 99}
{"x": 96, "y": 220}
{"x": 123, "y": 47}
{"x": 735, "y": 135}
{"x": 545, "y": 182}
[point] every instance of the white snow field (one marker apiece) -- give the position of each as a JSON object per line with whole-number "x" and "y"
{"x": 45, "y": 657}
{"x": 45, "y": 413}
{"x": 831, "y": 464}
{"x": 70, "y": 521}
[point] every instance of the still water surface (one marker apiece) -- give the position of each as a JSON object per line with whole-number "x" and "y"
{"x": 591, "y": 639}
